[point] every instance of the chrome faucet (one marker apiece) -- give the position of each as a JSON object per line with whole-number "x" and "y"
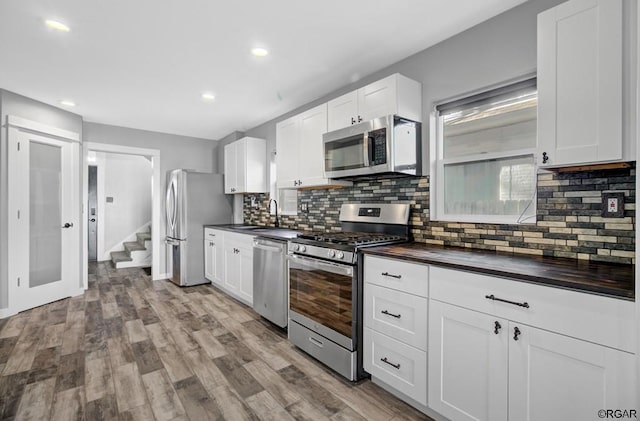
{"x": 277, "y": 223}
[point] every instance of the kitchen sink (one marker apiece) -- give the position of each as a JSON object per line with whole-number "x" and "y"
{"x": 248, "y": 227}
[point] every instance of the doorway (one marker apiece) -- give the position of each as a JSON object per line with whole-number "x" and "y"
{"x": 43, "y": 207}
{"x": 153, "y": 157}
{"x": 93, "y": 214}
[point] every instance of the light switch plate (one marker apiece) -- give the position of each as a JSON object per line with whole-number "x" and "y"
{"x": 612, "y": 204}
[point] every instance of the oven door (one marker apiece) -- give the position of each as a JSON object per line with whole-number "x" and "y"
{"x": 322, "y": 298}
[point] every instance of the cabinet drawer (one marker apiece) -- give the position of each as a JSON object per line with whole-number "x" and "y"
{"x": 400, "y": 366}
{"x": 210, "y": 233}
{"x": 397, "y": 274}
{"x": 397, "y": 314}
{"x": 603, "y": 320}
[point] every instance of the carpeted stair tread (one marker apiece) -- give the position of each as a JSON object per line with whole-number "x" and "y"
{"x": 143, "y": 236}
{"x": 120, "y": 256}
{"x": 133, "y": 246}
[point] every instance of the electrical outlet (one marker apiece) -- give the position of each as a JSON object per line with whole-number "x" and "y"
{"x": 304, "y": 207}
{"x": 612, "y": 204}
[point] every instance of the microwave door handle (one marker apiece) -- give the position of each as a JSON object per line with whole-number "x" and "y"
{"x": 365, "y": 149}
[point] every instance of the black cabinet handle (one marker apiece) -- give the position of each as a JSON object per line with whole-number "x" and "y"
{"x": 385, "y": 360}
{"x": 359, "y": 119}
{"x": 516, "y": 333}
{"x": 391, "y": 275}
{"x": 497, "y": 327}
{"x": 397, "y": 316}
{"x": 353, "y": 120}
{"x": 494, "y": 298}
{"x": 545, "y": 157}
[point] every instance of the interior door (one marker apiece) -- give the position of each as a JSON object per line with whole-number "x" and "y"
{"x": 93, "y": 213}
{"x": 43, "y": 202}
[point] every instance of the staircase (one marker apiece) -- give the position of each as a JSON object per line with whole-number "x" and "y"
{"x": 136, "y": 253}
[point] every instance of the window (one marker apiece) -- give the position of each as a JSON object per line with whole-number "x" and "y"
{"x": 484, "y": 147}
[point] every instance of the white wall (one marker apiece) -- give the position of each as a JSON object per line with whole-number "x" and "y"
{"x": 127, "y": 179}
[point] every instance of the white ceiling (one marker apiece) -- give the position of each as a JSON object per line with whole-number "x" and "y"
{"x": 145, "y": 63}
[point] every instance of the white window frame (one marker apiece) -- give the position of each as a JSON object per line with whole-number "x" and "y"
{"x": 437, "y": 163}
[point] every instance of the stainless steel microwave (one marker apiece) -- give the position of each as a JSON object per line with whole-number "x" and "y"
{"x": 388, "y": 144}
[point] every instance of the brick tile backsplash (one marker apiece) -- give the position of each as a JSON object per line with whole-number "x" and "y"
{"x": 568, "y": 222}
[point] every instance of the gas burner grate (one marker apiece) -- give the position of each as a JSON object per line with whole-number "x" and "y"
{"x": 350, "y": 238}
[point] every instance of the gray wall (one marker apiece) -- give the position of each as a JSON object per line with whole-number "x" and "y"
{"x": 16, "y": 105}
{"x": 490, "y": 53}
{"x": 175, "y": 152}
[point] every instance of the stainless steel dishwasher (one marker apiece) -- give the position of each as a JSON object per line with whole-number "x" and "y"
{"x": 270, "y": 286}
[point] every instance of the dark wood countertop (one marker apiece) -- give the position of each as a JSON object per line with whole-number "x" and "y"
{"x": 283, "y": 234}
{"x": 613, "y": 280}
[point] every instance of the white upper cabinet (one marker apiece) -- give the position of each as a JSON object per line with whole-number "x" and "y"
{"x": 343, "y": 111}
{"x": 395, "y": 94}
{"x": 580, "y": 84}
{"x": 299, "y": 151}
{"x": 245, "y": 166}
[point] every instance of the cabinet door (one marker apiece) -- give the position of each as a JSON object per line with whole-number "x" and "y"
{"x": 555, "y": 377}
{"x": 230, "y": 168}
{"x": 209, "y": 260}
{"x": 245, "y": 286}
{"x": 580, "y": 82}
{"x": 219, "y": 259}
{"x": 313, "y": 124}
{"x": 377, "y": 99}
{"x": 287, "y": 144}
{"x": 467, "y": 363}
{"x": 241, "y": 166}
{"x": 342, "y": 111}
{"x": 232, "y": 266}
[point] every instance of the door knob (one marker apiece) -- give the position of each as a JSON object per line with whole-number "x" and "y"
{"x": 67, "y": 225}
{"x": 92, "y": 219}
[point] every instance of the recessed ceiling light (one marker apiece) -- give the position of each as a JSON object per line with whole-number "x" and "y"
{"x": 208, "y": 96}
{"x": 67, "y": 103}
{"x": 259, "y": 52}
{"x": 58, "y": 26}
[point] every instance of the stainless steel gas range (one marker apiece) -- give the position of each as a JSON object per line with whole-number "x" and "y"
{"x": 325, "y": 283}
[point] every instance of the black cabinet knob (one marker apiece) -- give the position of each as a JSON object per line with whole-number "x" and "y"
{"x": 516, "y": 333}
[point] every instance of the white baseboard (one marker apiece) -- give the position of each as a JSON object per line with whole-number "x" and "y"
{"x": 7, "y": 312}
{"x": 162, "y": 276}
{"x": 77, "y": 291}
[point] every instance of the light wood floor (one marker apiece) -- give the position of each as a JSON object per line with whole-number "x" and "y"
{"x": 135, "y": 349}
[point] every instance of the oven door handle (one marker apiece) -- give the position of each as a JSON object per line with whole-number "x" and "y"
{"x": 321, "y": 265}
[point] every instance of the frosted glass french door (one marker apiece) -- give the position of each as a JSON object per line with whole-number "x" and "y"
{"x": 43, "y": 223}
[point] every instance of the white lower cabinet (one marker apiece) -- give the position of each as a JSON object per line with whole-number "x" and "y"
{"x": 229, "y": 262}
{"x": 238, "y": 263}
{"x": 555, "y": 377}
{"x": 467, "y": 363}
{"x": 486, "y": 367}
{"x": 213, "y": 256}
{"x": 395, "y": 325}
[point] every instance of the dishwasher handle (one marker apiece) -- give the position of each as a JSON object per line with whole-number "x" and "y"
{"x": 268, "y": 247}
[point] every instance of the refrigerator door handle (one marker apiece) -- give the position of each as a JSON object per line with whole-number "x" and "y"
{"x": 171, "y": 205}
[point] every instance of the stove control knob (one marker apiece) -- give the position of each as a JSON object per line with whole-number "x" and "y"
{"x": 295, "y": 247}
{"x": 332, "y": 253}
{"x": 303, "y": 248}
{"x": 340, "y": 255}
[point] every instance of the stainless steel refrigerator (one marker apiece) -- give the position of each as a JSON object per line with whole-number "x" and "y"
{"x": 194, "y": 199}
